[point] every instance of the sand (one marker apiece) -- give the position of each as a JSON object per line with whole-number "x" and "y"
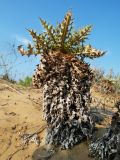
{"x": 20, "y": 114}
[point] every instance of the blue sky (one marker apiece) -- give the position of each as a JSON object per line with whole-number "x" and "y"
{"x": 104, "y": 15}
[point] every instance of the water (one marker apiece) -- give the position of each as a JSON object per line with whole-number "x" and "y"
{"x": 78, "y": 152}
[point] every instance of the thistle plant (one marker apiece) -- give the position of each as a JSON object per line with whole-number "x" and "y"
{"x": 66, "y": 79}
{"x": 108, "y": 146}
{"x": 62, "y": 38}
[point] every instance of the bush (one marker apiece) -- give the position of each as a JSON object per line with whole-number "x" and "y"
{"x": 109, "y": 83}
{"x": 27, "y": 82}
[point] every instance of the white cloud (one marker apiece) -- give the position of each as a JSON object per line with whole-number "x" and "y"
{"x": 22, "y": 40}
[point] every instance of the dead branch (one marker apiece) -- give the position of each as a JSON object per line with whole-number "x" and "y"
{"x": 23, "y": 146}
{"x": 36, "y": 132}
{"x": 11, "y": 155}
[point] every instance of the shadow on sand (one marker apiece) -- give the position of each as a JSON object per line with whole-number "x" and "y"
{"x": 78, "y": 152}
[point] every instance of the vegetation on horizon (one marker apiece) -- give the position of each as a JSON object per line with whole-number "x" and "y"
{"x": 107, "y": 83}
{"x": 27, "y": 82}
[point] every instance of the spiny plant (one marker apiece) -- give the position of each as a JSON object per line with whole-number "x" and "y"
{"x": 62, "y": 38}
{"x": 108, "y": 146}
{"x": 66, "y": 79}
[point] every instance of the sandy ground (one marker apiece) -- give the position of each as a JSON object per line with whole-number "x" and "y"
{"x": 21, "y": 114}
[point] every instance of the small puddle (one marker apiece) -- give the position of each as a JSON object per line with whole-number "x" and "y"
{"x": 78, "y": 152}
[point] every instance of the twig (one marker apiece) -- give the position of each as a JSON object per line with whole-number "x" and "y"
{"x": 37, "y": 132}
{"x": 23, "y": 145}
{"x": 8, "y": 146}
{"x": 11, "y": 155}
{"x": 4, "y": 104}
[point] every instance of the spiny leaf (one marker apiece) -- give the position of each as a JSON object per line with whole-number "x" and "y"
{"x": 49, "y": 29}
{"x": 91, "y": 52}
{"x": 37, "y": 38}
{"x": 65, "y": 27}
{"x": 21, "y": 50}
{"x": 80, "y": 36}
{"x": 32, "y": 33}
{"x": 30, "y": 50}
{"x": 83, "y": 33}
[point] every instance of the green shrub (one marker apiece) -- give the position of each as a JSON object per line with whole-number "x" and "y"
{"x": 27, "y": 82}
